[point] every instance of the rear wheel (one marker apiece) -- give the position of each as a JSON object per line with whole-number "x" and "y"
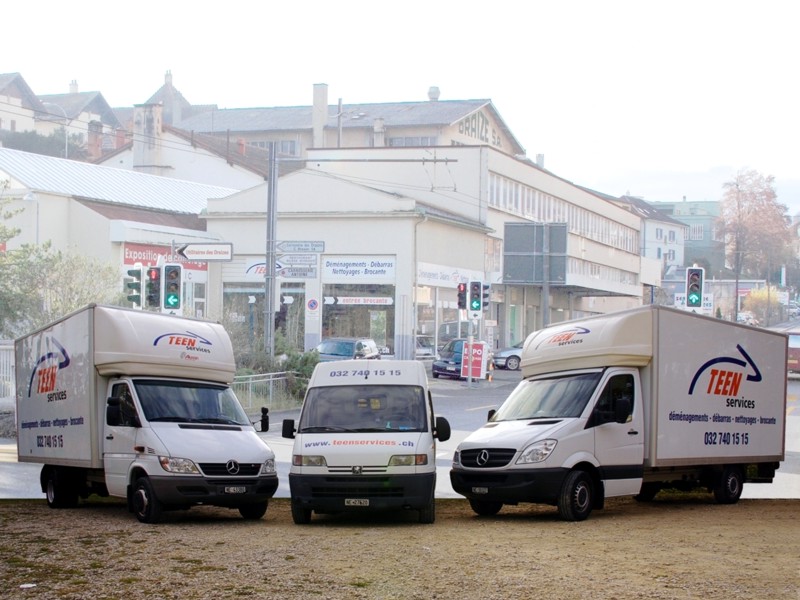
{"x": 728, "y": 488}
{"x": 146, "y": 506}
{"x": 485, "y": 508}
{"x": 60, "y": 490}
{"x": 254, "y": 511}
{"x": 576, "y": 498}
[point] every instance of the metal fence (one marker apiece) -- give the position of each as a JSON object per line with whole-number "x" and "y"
{"x": 273, "y": 390}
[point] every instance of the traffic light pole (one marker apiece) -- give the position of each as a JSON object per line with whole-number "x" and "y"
{"x": 270, "y": 279}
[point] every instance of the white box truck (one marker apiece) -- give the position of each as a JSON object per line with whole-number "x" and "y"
{"x": 138, "y": 405}
{"x": 629, "y": 403}
{"x": 365, "y": 440}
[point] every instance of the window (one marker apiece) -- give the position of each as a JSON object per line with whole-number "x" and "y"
{"x": 672, "y": 236}
{"x": 659, "y": 233}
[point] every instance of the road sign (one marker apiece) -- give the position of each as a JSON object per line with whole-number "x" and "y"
{"x": 473, "y": 364}
{"x": 206, "y": 252}
{"x": 300, "y": 246}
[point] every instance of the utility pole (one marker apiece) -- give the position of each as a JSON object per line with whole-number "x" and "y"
{"x": 270, "y": 278}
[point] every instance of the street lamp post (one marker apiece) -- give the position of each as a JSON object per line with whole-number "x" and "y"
{"x": 66, "y": 120}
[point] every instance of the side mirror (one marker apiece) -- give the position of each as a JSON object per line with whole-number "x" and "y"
{"x": 288, "y": 428}
{"x": 442, "y": 432}
{"x": 492, "y": 412}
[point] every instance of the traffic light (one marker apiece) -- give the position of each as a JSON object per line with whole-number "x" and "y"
{"x": 475, "y": 295}
{"x": 153, "y": 289}
{"x": 135, "y": 286}
{"x": 486, "y": 288}
{"x": 173, "y": 281}
{"x": 694, "y": 287}
{"x": 462, "y": 295}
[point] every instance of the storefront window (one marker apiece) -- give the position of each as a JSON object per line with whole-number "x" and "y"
{"x": 359, "y": 310}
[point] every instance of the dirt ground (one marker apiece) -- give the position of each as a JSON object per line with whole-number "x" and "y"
{"x": 675, "y": 547}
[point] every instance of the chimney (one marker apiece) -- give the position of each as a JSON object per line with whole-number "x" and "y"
{"x": 540, "y": 161}
{"x": 433, "y": 93}
{"x": 240, "y": 146}
{"x": 73, "y": 86}
{"x": 319, "y": 115}
{"x": 168, "y": 78}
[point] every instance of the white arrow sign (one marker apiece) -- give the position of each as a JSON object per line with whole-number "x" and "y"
{"x": 206, "y": 252}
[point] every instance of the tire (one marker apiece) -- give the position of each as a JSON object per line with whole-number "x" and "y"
{"x": 61, "y": 492}
{"x": 300, "y": 515}
{"x": 648, "y": 492}
{"x": 728, "y": 488}
{"x": 512, "y": 363}
{"x": 485, "y": 508}
{"x": 427, "y": 515}
{"x": 577, "y": 497}
{"x": 254, "y": 511}
{"x": 435, "y": 374}
{"x": 146, "y": 506}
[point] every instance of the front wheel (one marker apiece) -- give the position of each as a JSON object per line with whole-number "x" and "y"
{"x": 300, "y": 515}
{"x": 146, "y": 506}
{"x": 427, "y": 515}
{"x": 728, "y": 488}
{"x": 576, "y": 497}
{"x": 254, "y": 511}
{"x": 485, "y": 508}
{"x": 512, "y": 363}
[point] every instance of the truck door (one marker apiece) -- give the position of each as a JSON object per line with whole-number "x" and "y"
{"x": 119, "y": 437}
{"x": 619, "y": 433}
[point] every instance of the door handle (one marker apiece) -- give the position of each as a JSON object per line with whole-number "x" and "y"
{"x": 110, "y": 436}
{"x": 633, "y": 432}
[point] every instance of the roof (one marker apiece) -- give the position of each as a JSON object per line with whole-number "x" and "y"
{"x": 289, "y": 118}
{"x": 636, "y": 206}
{"x": 95, "y": 182}
{"x": 75, "y": 104}
{"x": 13, "y": 85}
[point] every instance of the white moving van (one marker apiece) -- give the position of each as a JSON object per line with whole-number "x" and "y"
{"x": 629, "y": 403}
{"x": 366, "y": 440}
{"x": 137, "y": 405}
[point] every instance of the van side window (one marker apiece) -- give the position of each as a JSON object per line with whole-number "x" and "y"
{"x": 618, "y": 388}
{"x": 127, "y": 410}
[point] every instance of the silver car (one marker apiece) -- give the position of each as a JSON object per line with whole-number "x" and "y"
{"x": 508, "y": 358}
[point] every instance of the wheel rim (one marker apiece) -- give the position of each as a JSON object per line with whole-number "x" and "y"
{"x": 581, "y": 497}
{"x": 51, "y": 491}
{"x": 140, "y": 502}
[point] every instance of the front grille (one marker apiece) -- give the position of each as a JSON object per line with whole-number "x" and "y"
{"x": 221, "y": 469}
{"x": 494, "y": 457}
{"x": 356, "y": 487}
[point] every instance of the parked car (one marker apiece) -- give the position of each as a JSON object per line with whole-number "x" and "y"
{"x": 425, "y": 347}
{"x": 448, "y": 361}
{"x": 508, "y": 358}
{"x": 343, "y": 348}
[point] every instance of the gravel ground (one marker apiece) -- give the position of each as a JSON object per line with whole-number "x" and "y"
{"x": 667, "y": 549}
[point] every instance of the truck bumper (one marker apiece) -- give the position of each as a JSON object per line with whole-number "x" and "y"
{"x": 541, "y": 486}
{"x": 230, "y": 492}
{"x": 329, "y": 493}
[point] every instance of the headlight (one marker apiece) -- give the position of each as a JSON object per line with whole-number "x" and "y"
{"x": 537, "y": 452}
{"x": 268, "y": 468}
{"x": 457, "y": 459}
{"x": 178, "y": 465}
{"x": 408, "y": 460}
{"x": 302, "y": 460}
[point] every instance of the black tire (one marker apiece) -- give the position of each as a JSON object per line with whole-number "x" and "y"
{"x": 427, "y": 515}
{"x": 146, "y": 506}
{"x": 512, "y": 363}
{"x": 485, "y": 508}
{"x": 648, "y": 492}
{"x": 728, "y": 488}
{"x": 254, "y": 511}
{"x": 577, "y": 497}
{"x": 435, "y": 374}
{"x": 61, "y": 492}
{"x": 300, "y": 515}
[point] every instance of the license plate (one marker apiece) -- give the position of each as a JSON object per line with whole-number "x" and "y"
{"x": 235, "y": 489}
{"x": 480, "y": 490}
{"x": 356, "y": 502}
{"x": 450, "y": 368}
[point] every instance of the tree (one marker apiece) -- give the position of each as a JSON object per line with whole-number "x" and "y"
{"x": 48, "y": 145}
{"x": 757, "y": 233}
{"x": 41, "y": 285}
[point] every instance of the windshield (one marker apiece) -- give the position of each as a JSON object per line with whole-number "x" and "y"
{"x": 363, "y": 408}
{"x": 188, "y": 402}
{"x": 554, "y": 397}
{"x": 336, "y": 348}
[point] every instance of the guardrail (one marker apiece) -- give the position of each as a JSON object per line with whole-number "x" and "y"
{"x": 272, "y": 390}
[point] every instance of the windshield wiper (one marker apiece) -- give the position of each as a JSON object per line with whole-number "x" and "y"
{"x": 322, "y": 428}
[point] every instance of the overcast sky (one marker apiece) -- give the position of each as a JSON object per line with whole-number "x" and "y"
{"x": 662, "y": 100}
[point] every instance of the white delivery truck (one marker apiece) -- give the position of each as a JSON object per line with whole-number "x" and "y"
{"x": 629, "y": 403}
{"x": 137, "y": 405}
{"x": 366, "y": 440}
